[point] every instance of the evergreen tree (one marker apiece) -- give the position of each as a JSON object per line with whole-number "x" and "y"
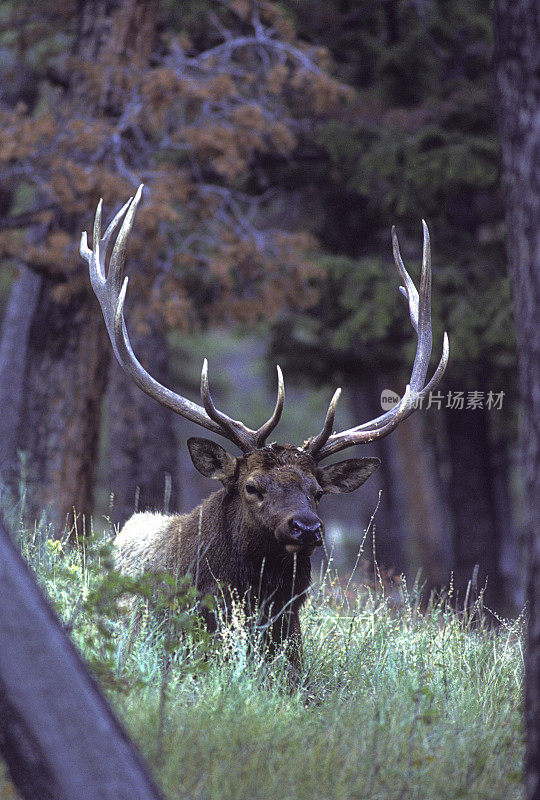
{"x": 199, "y": 102}
{"x": 419, "y": 140}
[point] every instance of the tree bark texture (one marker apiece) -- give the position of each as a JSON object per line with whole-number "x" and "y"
{"x": 410, "y": 530}
{"x": 67, "y": 355}
{"x": 67, "y": 359}
{"x": 58, "y": 735}
{"x": 477, "y": 533}
{"x": 428, "y": 548}
{"x": 15, "y": 330}
{"x": 517, "y": 74}
{"x": 142, "y": 443}
{"x": 392, "y": 530}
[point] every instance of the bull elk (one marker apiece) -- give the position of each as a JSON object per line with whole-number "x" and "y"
{"x": 256, "y": 534}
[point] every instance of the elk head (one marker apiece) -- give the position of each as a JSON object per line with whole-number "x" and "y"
{"x": 279, "y": 488}
{"x": 279, "y": 485}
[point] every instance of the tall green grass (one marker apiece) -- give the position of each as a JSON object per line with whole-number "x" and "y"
{"x": 395, "y": 702}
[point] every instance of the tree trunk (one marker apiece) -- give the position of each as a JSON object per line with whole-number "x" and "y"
{"x": 517, "y": 34}
{"x": 58, "y": 734}
{"x": 392, "y": 530}
{"x": 512, "y": 554}
{"x": 428, "y": 550}
{"x": 18, "y": 84}
{"x": 143, "y": 453}
{"x": 410, "y": 530}
{"x": 477, "y": 532}
{"x": 67, "y": 358}
{"x": 15, "y": 330}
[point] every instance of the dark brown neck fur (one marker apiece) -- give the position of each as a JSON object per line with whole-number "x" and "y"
{"x": 216, "y": 545}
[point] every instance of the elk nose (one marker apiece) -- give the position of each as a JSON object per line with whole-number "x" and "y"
{"x": 307, "y": 529}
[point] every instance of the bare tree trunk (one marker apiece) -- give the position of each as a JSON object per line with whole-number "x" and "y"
{"x": 143, "y": 452}
{"x": 67, "y": 356}
{"x": 477, "y": 530}
{"x": 18, "y": 84}
{"x": 428, "y": 551}
{"x": 409, "y": 521}
{"x": 392, "y": 530}
{"x": 512, "y": 554}
{"x": 15, "y": 330}
{"x": 58, "y": 734}
{"x": 517, "y": 73}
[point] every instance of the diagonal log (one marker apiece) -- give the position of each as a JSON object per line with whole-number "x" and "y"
{"x": 58, "y": 735}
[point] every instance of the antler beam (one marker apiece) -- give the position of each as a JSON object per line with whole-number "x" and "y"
{"x": 325, "y": 444}
{"x": 110, "y": 289}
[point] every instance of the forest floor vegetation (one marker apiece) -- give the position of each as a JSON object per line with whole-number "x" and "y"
{"x": 395, "y": 701}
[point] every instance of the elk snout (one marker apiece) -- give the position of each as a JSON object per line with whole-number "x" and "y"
{"x": 302, "y": 531}
{"x": 307, "y": 530}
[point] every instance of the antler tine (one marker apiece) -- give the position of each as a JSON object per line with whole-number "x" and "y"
{"x": 265, "y": 430}
{"x": 246, "y": 438}
{"x": 117, "y": 261}
{"x": 441, "y": 367}
{"x": 409, "y": 290}
{"x": 425, "y": 339}
{"x": 387, "y": 418}
{"x": 420, "y": 313}
{"x": 354, "y": 436}
{"x": 419, "y": 307}
{"x": 314, "y": 444}
{"x": 108, "y": 288}
{"x": 111, "y": 291}
{"x": 234, "y": 430}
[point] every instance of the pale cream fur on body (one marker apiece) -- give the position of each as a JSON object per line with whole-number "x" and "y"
{"x": 140, "y": 543}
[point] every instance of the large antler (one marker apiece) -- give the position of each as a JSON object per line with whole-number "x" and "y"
{"x": 325, "y": 444}
{"x": 110, "y": 290}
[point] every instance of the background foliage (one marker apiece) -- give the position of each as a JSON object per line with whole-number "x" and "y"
{"x": 278, "y": 143}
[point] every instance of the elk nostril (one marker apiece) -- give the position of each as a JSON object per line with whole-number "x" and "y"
{"x": 307, "y": 532}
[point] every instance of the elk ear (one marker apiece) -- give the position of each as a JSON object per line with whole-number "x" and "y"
{"x": 346, "y": 476}
{"x": 211, "y": 459}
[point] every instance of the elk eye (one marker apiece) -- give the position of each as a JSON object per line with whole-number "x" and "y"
{"x": 253, "y": 492}
{"x": 318, "y": 494}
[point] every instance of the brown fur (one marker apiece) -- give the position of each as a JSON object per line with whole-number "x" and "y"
{"x": 243, "y": 540}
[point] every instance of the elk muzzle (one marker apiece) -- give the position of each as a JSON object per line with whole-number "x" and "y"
{"x": 301, "y": 532}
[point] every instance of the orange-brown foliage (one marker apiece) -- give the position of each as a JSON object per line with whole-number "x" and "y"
{"x": 194, "y": 127}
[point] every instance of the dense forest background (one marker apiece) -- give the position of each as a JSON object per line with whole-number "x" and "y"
{"x": 278, "y": 143}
